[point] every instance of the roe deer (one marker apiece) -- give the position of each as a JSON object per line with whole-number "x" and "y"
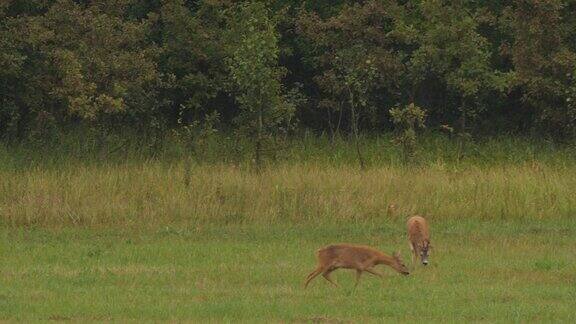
{"x": 358, "y": 257}
{"x": 419, "y": 239}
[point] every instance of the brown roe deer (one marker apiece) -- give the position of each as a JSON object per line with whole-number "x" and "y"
{"x": 358, "y": 257}
{"x": 419, "y": 239}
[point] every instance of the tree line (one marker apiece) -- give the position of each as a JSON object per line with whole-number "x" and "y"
{"x": 269, "y": 69}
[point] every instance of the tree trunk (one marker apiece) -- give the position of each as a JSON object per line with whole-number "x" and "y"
{"x": 22, "y": 121}
{"x": 102, "y": 140}
{"x": 462, "y": 134}
{"x": 258, "y": 152}
{"x": 330, "y": 126}
{"x": 337, "y": 132}
{"x": 355, "y": 130}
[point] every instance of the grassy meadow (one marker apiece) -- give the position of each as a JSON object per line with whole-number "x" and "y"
{"x": 148, "y": 238}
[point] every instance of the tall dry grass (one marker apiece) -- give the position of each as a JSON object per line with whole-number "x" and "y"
{"x": 154, "y": 193}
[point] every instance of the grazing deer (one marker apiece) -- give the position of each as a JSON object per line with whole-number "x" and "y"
{"x": 419, "y": 239}
{"x": 358, "y": 257}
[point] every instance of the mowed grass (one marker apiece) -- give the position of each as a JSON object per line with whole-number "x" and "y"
{"x": 493, "y": 271}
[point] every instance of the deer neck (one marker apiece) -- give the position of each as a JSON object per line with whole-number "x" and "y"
{"x": 385, "y": 259}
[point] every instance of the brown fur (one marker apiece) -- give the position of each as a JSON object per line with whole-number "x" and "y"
{"x": 419, "y": 238}
{"x": 358, "y": 257}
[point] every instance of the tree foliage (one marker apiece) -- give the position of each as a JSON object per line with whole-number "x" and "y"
{"x": 253, "y": 62}
{"x": 153, "y": 66}
{"x": 408, "y": 119}
{"x": 543, "y": 50}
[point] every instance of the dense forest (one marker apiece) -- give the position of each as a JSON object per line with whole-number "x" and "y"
{"x": 268, "y": 70}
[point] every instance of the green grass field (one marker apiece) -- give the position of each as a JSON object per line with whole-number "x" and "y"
{"x": 480, "y": 271}
{"x": 129, "y": 240}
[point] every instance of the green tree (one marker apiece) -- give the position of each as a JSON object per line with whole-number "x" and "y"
{"x": 87, "y": 63}
{"x": 11, "y": 61}
{"x": 450, "y": 48}
{"x": 255, "y": 74}
{"x": 151, "y": 65}
{"x": 409, "y": 119}
{"x": 443, "y": 49}
{"x": 543, "y": 52}
{"x": 358, "y": 74}
{"x": 193, "y": 57}
{"x": 355, "y": 59}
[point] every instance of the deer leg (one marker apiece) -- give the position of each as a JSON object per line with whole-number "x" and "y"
{"x": 358, "y": 274}
{"x": 414, "y": 254}
{"x": 312, "y": 275}
{"x": 374, "y": 272}
{"x": 326, "y": 276}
